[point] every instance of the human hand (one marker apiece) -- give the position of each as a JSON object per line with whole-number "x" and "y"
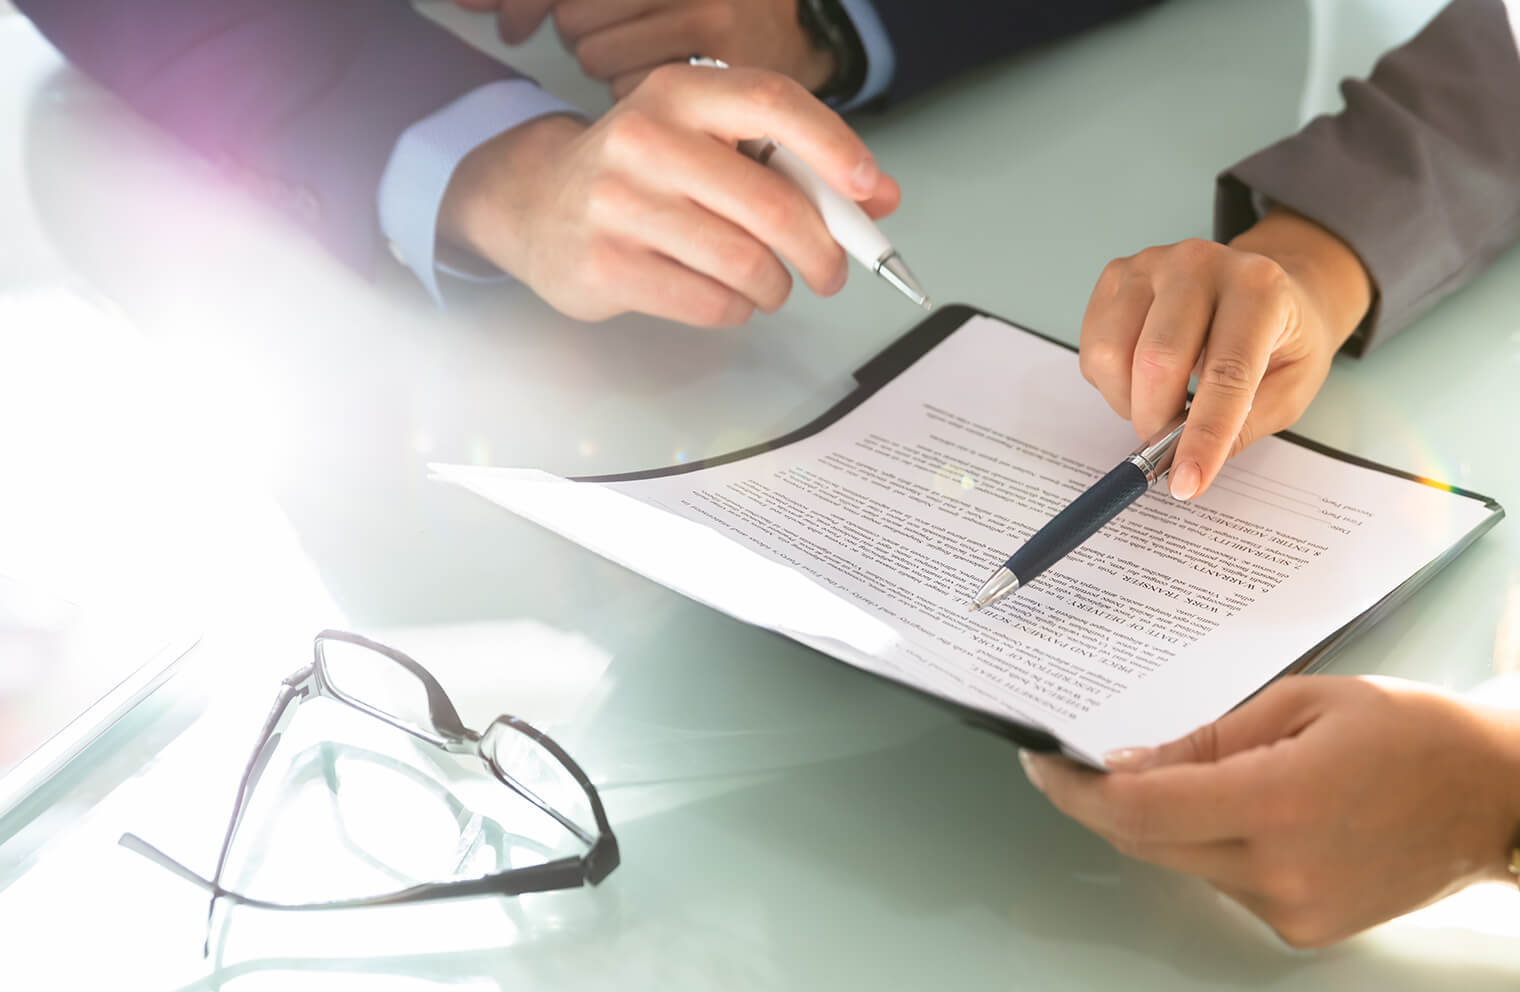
{"x": 1324, "y": 805}
{"x": 1258, "y": 320}
{"x": 620, "y": 41}
{"x": 652, "y": 209}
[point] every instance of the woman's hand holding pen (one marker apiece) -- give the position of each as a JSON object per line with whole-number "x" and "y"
{"x": 1324, "y": 805}
{"x": 1258, "y": 321}
{"x": 652, "y": 209}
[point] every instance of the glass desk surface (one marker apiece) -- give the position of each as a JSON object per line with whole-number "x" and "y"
{"x": 200, "y": 408}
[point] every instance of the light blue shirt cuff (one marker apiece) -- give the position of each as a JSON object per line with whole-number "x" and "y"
{"x": 423, "y": 161}
{"x": 881, "y": 60}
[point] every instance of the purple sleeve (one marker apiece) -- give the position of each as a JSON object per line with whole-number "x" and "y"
{"x": 302, "y": 101}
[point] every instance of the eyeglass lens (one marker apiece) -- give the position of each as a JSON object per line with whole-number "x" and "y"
{"x": 376, "y": 680}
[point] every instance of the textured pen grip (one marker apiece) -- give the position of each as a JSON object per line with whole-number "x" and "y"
{"x": 1079, "y": 521}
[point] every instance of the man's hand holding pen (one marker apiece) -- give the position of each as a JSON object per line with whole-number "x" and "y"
{"x": 652, "y": 209}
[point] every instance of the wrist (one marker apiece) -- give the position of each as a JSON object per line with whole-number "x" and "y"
{"x": 815, "y": 66}
{"x": 1324, "y": 267}
{"x": 490, "y": 196}
{"x": 1504, "y": 727}
{"x": 834, "y": 66}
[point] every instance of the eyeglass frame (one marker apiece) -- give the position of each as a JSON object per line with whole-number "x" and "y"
{"x": 452, "y": 736}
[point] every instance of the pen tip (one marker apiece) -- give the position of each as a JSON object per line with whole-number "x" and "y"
{"x": 975, "y": 607}
{"x": 895, "y": 271}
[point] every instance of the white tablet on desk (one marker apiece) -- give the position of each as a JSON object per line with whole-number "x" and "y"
{"x": 67, "y": 673}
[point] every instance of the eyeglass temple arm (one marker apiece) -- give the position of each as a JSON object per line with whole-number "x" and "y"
{"x": 275, "y": 725}
{"x": 563, "y": 873}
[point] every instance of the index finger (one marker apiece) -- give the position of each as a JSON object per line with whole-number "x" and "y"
{"x": 739, "y": 104}
{"x": 1178, "y": 804}
{"x": 1245, "y": 330}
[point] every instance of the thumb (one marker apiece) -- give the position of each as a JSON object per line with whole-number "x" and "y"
{"x": 1280, "y": 710}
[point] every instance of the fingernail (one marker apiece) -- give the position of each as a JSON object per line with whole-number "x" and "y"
{"x": 865, "y": 177}
{"x": 1185, "y": 479}
{"x": 1031, "y": 768}
{"x": 1130, "y": 759}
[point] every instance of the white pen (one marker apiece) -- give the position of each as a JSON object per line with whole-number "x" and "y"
{"x": 856, "y": 233}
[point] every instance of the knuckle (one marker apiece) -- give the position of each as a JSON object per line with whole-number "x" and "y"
{"x": 1203, "y": 743}
{"x": 1146, "y": 259}
{"x": 746, "y": 261}
{"x": 608, "y": 196}
{"x": 1213, "y": 433}
{"x": 780, "y": 208}
{"x": 1192, "y": 252}
{"x": 1114, "y": 274}
{"x": 1227, "y": 373}
{"x": 771, "y": 91}
{"x": 630, "y": 134}
{"x": 663, "y": 79}
{"x": 1161, "y": 361}
{"x": 1260, "y": 275}
{"x": 1100, "y": 361}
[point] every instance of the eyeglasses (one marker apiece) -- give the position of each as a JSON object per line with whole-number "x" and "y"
{"x": 385, "y": 684}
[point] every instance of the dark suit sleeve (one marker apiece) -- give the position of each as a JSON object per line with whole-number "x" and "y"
{"x": 935, "y": 39}
{"x": 1420, "y": 174}
{"x": 302, "y": 100}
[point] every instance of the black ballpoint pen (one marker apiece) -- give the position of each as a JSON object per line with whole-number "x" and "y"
{"x": 1107, "y": 497}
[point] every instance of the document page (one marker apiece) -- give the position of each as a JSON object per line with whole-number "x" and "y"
{"x": 869, "y": 538}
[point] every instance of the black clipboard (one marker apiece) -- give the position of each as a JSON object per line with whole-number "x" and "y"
{"x": 922, "y": 338}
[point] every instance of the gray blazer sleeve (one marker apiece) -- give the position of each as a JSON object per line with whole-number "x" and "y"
{"x": 1420, "y": 174}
